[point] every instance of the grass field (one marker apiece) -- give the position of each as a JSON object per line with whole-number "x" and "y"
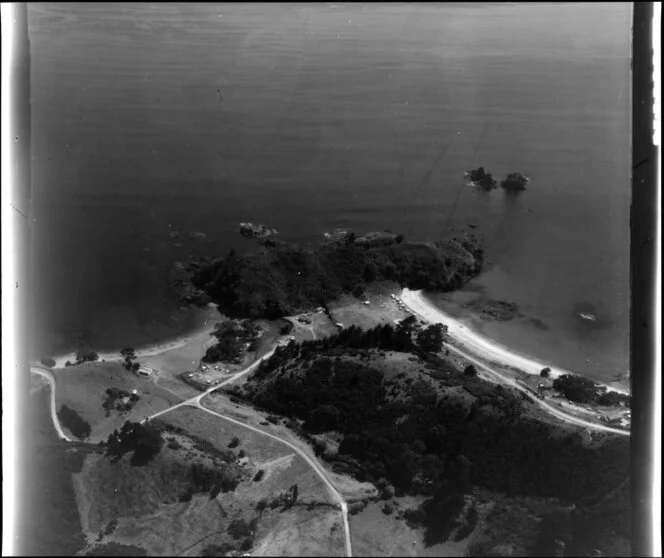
{"x": 348, "y": 486}
{"x": 82, "y": 388}
{"x": 139, "y": 506}
{"x": 350, "y": 310}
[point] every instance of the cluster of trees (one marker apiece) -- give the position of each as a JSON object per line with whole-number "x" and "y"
{"x": 231, "y": 336}
{"x": 385, "y": 337}
{"x": 583, "y": 390}
{"x": 83, "y": 355}
{"x": 129, "y": 362}
{"x": 213, "y": 480}
{"x": 144, "y": 439}
{"x": 440, "y": 446}
{"x": 328, "y": 396}
{"x": 71, "y": 420}
{"x": 289, "y": 278}
{"x": 112, "y": 396}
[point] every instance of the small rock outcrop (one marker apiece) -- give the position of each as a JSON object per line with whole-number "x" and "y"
{"x": 514, "y": 181}
{"x": 480, "y": 178}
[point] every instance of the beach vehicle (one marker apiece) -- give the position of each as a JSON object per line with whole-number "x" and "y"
{"x": 587, "y": 316}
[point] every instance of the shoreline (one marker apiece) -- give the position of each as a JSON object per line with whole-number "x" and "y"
{"x": 484, "y": 346}
{"x": 152, "y": 349}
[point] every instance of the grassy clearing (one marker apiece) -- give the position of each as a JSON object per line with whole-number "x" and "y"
{"x": 282, "y": 468}
{"x": 350, "y": 310}
{"x": 82, "y": 388}
{"x": 299, "y": 532}
{"x": 143, "y": 506}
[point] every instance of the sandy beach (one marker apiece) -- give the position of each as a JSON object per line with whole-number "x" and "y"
{"x": 201, "y": 333}
{"x": 483, "y": 346}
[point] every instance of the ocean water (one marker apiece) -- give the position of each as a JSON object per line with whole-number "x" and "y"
{"x": 154, "y": 118}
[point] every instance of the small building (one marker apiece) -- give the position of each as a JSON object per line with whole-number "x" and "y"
{"x": 367, "y": 302}
{"x": 145, "y": 371}
{"x": 339, "y": 325}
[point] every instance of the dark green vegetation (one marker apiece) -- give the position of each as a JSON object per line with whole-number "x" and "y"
{"x": 130, "y": 363}
{"x": 582, "y": 390}
{"x": 47, "y": 515}
{"x": 385, "y": 337}
{"x": 71, "y": 420}
{"x": 86, "y": 355}
{"x": 231, "y": 336}
{"x": 426, "y": 442}
{"x": 143, "y": 439}
{"x": 119, "y": 399}
{"x": 285, "y": 279}
{"x": 481, "y": 178}
{"x": 514, "y": 181}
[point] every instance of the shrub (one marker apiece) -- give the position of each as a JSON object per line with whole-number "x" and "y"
{"x": 546, "y": 372}
{"x": 48, "y": 362}
{"x": 235, "y": 442}
{"x": 262, "y": 503}
{"x": 86, "y": 355}
{"x": 470, "y": 370}
{"x": 259, "y": 475}
{"x": 74, "y": 422}
{"x": 576, "y": 388}
{"x": 388, "y": 509}
{"x": 239, "y": 529}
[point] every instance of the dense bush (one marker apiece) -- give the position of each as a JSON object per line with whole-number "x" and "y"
{"x": 289, "y": 278}
{"x": 71, "y": 420}
{"x": 576, "y": 388}
{"x": 86, "y": 355}
{"x": 144, "y": 439}
{"x": 239, "y": 528}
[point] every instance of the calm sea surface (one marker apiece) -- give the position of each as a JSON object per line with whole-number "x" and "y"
{"x": 153, "y": 118}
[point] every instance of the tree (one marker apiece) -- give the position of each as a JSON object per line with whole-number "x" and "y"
{"x": 431, "y": 338}
{"x": 48, "y": 362}
{"x": 400, "y": 238}
{"x": 576, "y": 388}
{"x": 86, "y": 355}
{"x": 239, "y": 529}
{"x": 235, "y": 442}
{"x": 546, "y": 372}
{"x": 470, "y": 370}
{"x": 128, "y": 353}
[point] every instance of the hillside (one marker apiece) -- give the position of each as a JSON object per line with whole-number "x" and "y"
{"x": 418, "y": 424}
{"x": 281, "y": 279}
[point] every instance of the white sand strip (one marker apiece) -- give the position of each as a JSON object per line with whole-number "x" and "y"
{"x": 476, "y": 343}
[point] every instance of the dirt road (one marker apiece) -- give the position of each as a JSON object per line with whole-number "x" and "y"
{"x": 419, "y": 306}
